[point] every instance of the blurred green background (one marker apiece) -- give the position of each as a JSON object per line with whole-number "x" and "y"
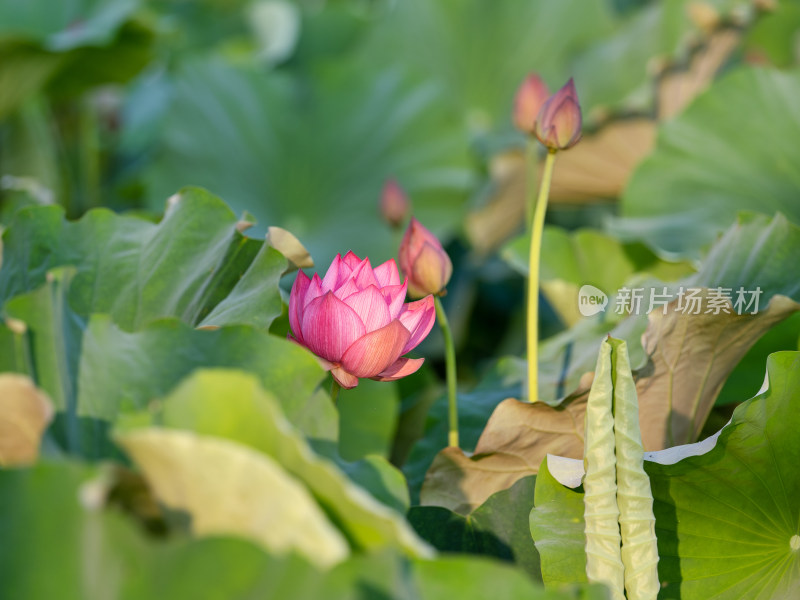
{"x": 295, "y": 112}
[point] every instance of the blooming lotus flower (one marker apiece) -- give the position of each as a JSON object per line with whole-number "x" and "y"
{"x": 355, "y": 321}
{"x": 531, "y": 95}
{"x": 558, "y": 125}
{"x": 423, "y": 260}
{"x": 394, "y": 203}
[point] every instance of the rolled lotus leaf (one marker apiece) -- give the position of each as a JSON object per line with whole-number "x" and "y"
{"x": 634, "y": 497}
{"x": 603, "y": 559}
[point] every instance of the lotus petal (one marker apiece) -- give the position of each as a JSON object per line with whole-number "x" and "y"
{"x": 371, "y": 308}
{"x": 387, "y": 273}
{"x": 343, "y": 378}
{"x": 330, "y": 327}
{"x": 395, "y": 295}
{"x": 314, "y": 291}
{"x": 296, "y": 306}
{"x": 418, "y": 317}
{"x": 374, "y": 352}
{"x": 364, "y": 276}
{"x": 400, "y": 368}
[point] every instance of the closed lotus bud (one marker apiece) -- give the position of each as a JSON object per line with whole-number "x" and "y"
{"x": 394, "y": 203}
{"x": 558, "y": 125}
{"x": 531, "y": 95}
{"x": 424, "y": 261}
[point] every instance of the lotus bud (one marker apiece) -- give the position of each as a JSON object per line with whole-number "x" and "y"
{"x": 558, "y": 125}
{"x": 356, "y": 321}
{"x": 531, "y": 95}
{"x": 424, "y": 261}
{"x": 394, "y": 203}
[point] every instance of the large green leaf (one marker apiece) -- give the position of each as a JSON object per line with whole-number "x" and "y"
{"x": 51, "y": 514}
{"x": 232, "y": 405}
{"x": 55, "y": 514}
{"x": 726, "y": 508}
{"x": 68, "y": 24}
{"x": 557, "y": 526}
{"x": 572, "y": 260}
{"x": 311, "y": 156}
{"x": 732, "y": 149}
{"x": 93, "y": 371}
{"x": 480, "y": 52}
{"x": 499, "y": 527}
{"x": 367, "y": 419}
{"x": 192, "y": 262}
{"x": 473, "y": 578}
{"x": 194, "y": 265}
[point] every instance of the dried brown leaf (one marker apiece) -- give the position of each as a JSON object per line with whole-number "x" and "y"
{"x": 689, "y": 358}
{"x": 513, "y": 444}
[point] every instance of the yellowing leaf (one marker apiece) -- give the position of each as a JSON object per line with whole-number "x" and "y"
{"x": 25, "y": 412}
{"x": 228, "y": 488}
{"x": 287, "y": 244}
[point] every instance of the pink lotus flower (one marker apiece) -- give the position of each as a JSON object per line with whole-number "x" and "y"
{"x": 423, "y": 260}
{"x": 355, "y": 321}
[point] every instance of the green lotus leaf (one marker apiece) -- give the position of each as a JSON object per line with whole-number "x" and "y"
{"x": 499, "y": 527}
{"x": 194, "y": 264}
{"x": 232, "y": 405}
{"x": 704, "y": 170}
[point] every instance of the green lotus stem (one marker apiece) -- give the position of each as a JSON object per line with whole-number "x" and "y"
{"x": 601, "y": 512}
{"x": 537, "y": 228}
{"x": 450, "y": 364}
{"x": 531, "y": 166}
{"x": 634, "y": 497}
{"x": 335, "y": 387}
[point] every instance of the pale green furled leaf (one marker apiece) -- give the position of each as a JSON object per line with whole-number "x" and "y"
{"x": 601, "y": 512}
{"x": 230, "y": 489}
{"x": 634, "y": 497}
